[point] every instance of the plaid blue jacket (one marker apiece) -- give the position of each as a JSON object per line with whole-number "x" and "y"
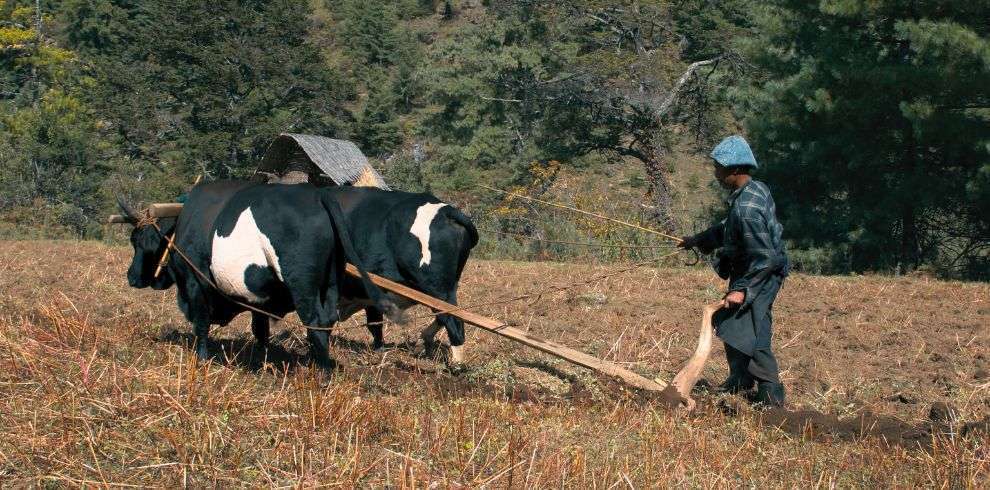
{"x": 749, "y": 239}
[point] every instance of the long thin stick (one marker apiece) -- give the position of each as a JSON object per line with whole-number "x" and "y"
{"x": 581, "y": 211}
{"x": 500, "y": 328}
{"x": 164, "y": 259}
{"x": 583, "y": 244}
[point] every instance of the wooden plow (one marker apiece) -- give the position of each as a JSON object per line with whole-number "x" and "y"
{"x": 294, "y": 158}
{"x": 677, "y": 392}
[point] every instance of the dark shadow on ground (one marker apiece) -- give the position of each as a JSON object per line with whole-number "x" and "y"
{"x": 243, "y": 351}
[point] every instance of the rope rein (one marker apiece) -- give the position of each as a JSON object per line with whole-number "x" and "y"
{"x": 148, "y": 220}
{"x": 582, "y": 244}
{"x": 581, "y": 211}
{"x": 538, "y": 295}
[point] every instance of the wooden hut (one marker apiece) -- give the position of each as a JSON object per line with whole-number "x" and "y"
{"x": 322, "y": 161}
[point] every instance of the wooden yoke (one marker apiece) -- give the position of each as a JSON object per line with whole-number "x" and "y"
{"x": 157, "y": 210}
{"x": 165, "y": 210}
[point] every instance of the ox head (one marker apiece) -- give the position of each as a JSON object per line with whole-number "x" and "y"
{"x": 149, "y": 245}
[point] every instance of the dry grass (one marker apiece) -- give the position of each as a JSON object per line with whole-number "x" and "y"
{"x": 98, "y": 387}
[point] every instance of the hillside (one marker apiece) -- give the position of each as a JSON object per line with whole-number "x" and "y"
{"x": 887, "y": 377}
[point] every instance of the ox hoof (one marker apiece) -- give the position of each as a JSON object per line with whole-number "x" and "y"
{"x": 430, "y": 346}
{"x": 323, "y": 371}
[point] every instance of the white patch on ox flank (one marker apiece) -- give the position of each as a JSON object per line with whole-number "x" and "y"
{"x": 421, "y": 228}
{"x": 232, "y": 255}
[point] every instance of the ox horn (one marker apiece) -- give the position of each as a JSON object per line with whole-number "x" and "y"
{"x": 129, "y": 212}
{"x": 689, "y": 375}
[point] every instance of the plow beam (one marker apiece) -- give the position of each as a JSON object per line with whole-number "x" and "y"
{"x": 500, "y": 328}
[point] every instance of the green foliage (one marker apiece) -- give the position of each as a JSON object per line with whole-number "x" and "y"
{"x": 872, "y": 121}
{"x": 207, "y": 84}
{"x": 530, "y": 84}
{"x": 377, "y": 131}
{"x": 368, "y": 31}
{"x": 870, "y": 117}
{"x": 50, "y": 149}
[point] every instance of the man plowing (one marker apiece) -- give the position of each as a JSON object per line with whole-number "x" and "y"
{"x": 751, "y": 256}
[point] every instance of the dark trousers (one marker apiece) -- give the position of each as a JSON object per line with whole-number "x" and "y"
{"x": 761, "y": 366}
{"x": 747, "y": 332}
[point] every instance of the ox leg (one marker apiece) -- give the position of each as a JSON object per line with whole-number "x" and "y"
{"x": 201, "y": 331}
{"x": 261, "y": 327}
{"x": 313, "y": 312}
{"x": 319, "y": 339}
{"x": 375, "y": 319}
{"x": 455, "y": 334}
{"x": 319, "y": 348}
{"x": 455, "y": 331}
{"x": 197, "y": 311}
{"x": 428, "y": 334}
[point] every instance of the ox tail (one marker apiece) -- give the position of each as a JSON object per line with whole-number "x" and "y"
{"x": 462, "y": 219}
{"x": 344, "y": 235}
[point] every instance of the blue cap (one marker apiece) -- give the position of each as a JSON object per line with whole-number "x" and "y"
{"x": 734, "y": 152}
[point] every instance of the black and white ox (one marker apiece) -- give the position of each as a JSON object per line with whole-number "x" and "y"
{"x": 279, "y": 248}
{"x": 412, "y": 239}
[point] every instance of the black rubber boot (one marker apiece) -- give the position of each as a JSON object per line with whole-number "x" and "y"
{"x": 739, "y": 379}
{"x": 736, "y": 383}
{"x": 770, "y": 394}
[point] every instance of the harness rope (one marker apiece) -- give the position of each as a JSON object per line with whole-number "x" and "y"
{"x": 581, "y": 211}
{"x": 538, "y": 295}
{"x": 583, "y": 244}
{"x": 148, "y": 220}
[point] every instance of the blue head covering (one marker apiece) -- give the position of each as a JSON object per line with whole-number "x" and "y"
{"x": 734, "y": 152}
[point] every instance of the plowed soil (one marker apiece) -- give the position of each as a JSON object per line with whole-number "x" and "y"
{"x": 884, "y": 376}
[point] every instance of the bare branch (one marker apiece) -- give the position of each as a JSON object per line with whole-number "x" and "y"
{"x": 614, "y": 29}
{"x": 495, "y": 99}
{"x": 661, "y": 112}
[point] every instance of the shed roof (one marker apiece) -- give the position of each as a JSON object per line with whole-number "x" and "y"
{"x": 340, "y": 160}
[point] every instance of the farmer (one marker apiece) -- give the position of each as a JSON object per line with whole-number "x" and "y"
{"x": 751, "y": 256}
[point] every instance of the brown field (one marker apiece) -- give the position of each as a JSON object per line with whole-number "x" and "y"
{"x": 889, "y": 384}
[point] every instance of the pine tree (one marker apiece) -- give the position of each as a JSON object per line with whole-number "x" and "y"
{"x": 203, "y": 87}
{"x": 50, "y": 152}
{"x": 377, "y": 130}
{"x": 872, "y": 119}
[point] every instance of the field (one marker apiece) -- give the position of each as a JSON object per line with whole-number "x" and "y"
{"x": 888, "y": 378}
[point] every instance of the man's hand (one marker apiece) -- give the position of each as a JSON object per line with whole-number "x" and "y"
{"x": 735, "y": 299}
{"x": 687, "y": 242}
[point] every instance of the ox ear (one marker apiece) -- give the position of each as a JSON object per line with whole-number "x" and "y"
{"x": 129, "y": 214}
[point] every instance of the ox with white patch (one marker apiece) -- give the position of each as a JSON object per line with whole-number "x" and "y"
{"x": 413, "y": 239}
{"x": 281, "y": 248}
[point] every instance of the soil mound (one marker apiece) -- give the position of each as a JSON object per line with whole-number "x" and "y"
{"x": 812, "y": 424}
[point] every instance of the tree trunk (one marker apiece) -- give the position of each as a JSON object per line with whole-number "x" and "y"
{"x": 909, "y": 256}
{"x": 659, "y": 193}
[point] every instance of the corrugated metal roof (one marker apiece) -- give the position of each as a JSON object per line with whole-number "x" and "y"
{"x": 341, "y": 160}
